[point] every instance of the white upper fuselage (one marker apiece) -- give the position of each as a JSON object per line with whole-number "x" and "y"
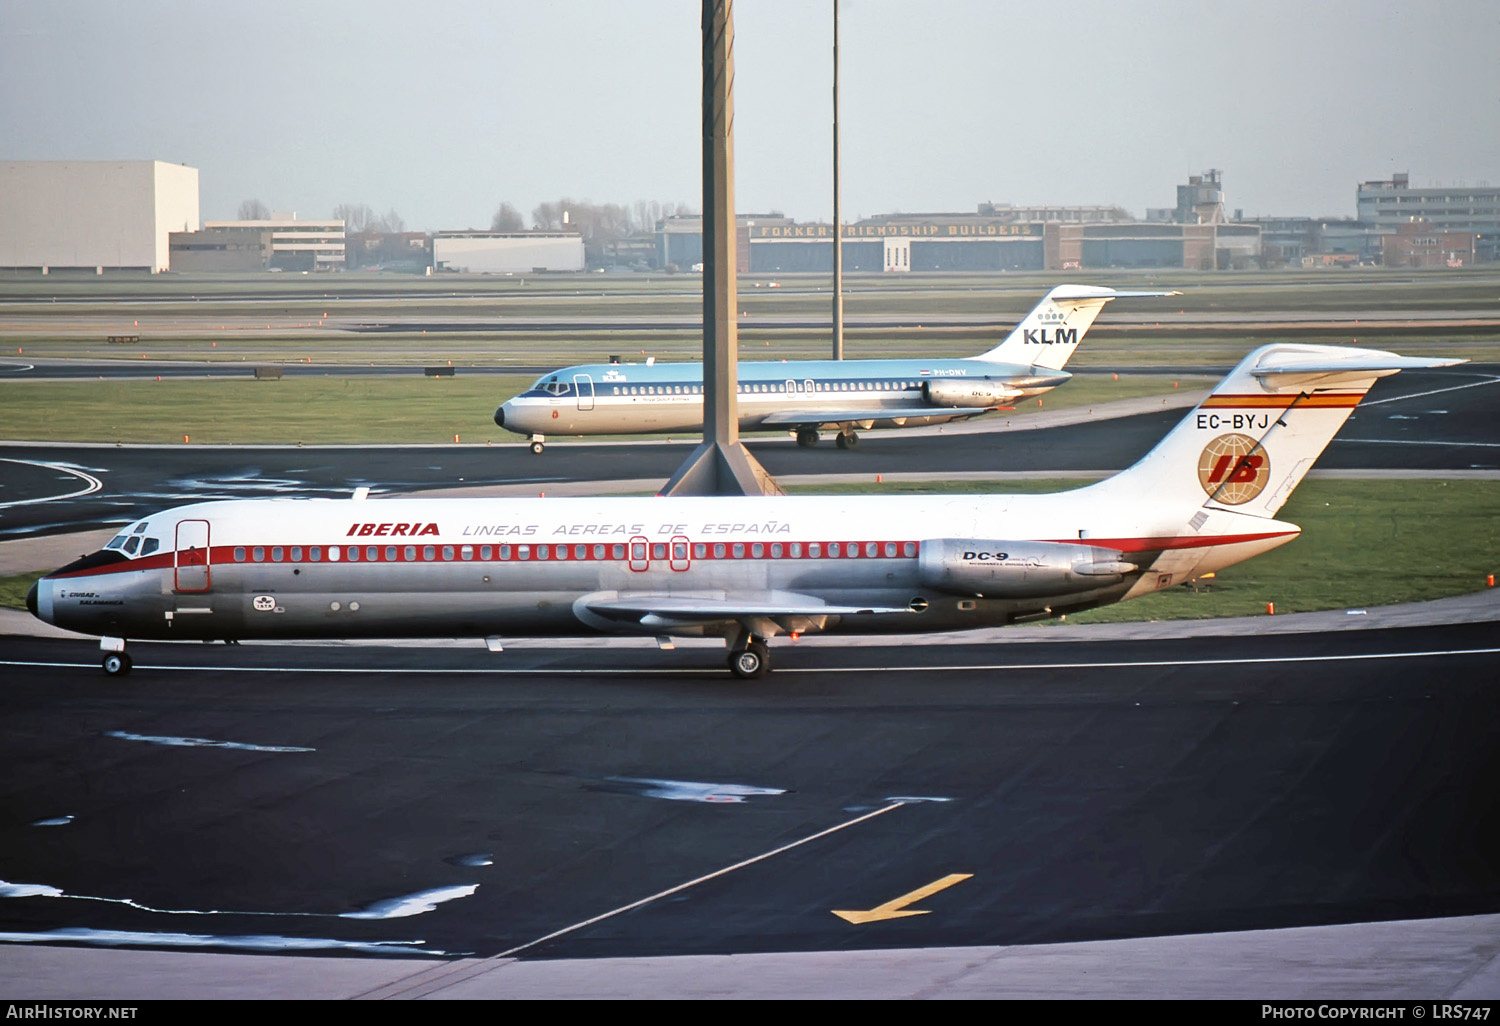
{"x": 620, "y": 398}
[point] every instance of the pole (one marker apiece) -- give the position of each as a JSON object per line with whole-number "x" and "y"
{"x": 838, "y": 224}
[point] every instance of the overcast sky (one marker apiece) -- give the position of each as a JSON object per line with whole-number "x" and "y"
{"x": 443, "y": 109}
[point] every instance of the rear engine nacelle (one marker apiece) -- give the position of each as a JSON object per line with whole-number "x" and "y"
{"x": 1017, "y": 569}
{"x": 967, "y": 392}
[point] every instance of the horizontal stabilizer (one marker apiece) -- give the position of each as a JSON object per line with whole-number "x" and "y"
{"x": 1285, "y": 369}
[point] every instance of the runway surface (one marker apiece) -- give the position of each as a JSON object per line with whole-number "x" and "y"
{"x": 1419, "y": 420}
{"x": 459, "y": 803}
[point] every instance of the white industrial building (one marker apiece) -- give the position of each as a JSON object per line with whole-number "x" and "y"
{"x": 100, "y": 214}
{"x": 316, "y": 245}
{"x": 507, "y": 252}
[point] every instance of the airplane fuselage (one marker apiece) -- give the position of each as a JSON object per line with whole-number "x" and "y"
{"x": 645, "y": 398}
{"x": 537, "y": 567}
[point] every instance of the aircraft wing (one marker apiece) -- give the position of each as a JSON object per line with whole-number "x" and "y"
{"x": 816, "y": 418}
{"x": 791, "y": 610}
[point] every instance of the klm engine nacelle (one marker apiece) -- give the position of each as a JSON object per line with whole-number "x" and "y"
{"x": 967, "y": 392}
{"x": 1018, "y": 569}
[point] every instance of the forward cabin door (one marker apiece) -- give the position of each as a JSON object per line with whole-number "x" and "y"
{"x": 192, "y": 572}
{"x": 583, "y": 384}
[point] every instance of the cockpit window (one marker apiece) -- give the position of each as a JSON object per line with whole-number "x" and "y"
{"x": 117, "y": 542}
{"x": 139, "y": 528}
{"x": 131, "y": 544}
{"x": 552, "y": 386}
{"x": 150, "y": 546}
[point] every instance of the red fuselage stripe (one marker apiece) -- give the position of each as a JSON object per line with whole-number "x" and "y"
{"x": 582, "y": 552}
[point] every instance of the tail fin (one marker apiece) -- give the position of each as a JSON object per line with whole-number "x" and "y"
{"x": 1047, "y": 336}
{"x": 1254, "y": 438}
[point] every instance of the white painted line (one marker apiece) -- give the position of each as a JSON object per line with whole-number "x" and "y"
{"x": 1430, "y": 441}
{"x": 698, "y": 671}
{"x": 94, "y": 484}
{"x": 1435, "y": 391}
{"x": 702, "y": 879}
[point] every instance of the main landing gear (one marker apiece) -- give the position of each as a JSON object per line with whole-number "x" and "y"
{"x": 537, "y": 443}
{"x": 752, "y": 661}
{"x": 807, "y": 437}
{"x": 847, "y": 439}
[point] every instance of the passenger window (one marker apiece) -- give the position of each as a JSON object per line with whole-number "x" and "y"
{"x": 276, "y": 554}
{"x": 296, "y": 553}
{"x": 315, "y": 553}
{"x": 239, "y": 554}
{"x": 258, "y": 554}
{"x": 429, "y": 552}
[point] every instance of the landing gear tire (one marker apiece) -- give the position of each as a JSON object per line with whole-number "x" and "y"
{"x": 807, "y": 439}
{"x": 536, "y": 448}
{"x": 847, "y": 440}
{"x": 751, "y": 662}
{"x": 116, "y": 664}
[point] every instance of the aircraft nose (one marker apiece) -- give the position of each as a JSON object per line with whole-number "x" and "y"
{"x": 500, "y": 416}
{"x": 31, "y": 601}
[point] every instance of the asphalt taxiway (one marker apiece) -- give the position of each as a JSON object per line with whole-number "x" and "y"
{"x": 549, "y": 806}
{"x": 1183, "y": 810}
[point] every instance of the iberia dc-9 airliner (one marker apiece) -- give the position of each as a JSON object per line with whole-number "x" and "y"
{"x": 746, "y": 569}
{"x": 809, "y": 396}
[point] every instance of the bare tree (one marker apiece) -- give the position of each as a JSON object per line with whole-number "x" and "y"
{"x": 390, "y": 223}
{"x": 254, "y": 210}
{"x": 357, "y": 217}
{"x": 507, "y": 219}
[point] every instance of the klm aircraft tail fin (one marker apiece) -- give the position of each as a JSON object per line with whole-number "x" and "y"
{"x": 1047, "y": 336}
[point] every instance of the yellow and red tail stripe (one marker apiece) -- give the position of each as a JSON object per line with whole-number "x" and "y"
{"x": 1317, "y": 401}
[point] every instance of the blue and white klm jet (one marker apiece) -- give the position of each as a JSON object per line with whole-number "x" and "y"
{"x": 808, "y": 396}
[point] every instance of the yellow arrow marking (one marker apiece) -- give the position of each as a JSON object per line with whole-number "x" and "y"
{"x": 897, "y": 909}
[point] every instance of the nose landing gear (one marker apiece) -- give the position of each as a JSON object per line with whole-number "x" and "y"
{"x": 116, "y": 661}
{"x": 538, "y": 443}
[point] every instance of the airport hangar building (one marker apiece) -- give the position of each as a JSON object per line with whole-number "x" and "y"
{"x": 996, "y": 239}
{"x": 94, "y": 214}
